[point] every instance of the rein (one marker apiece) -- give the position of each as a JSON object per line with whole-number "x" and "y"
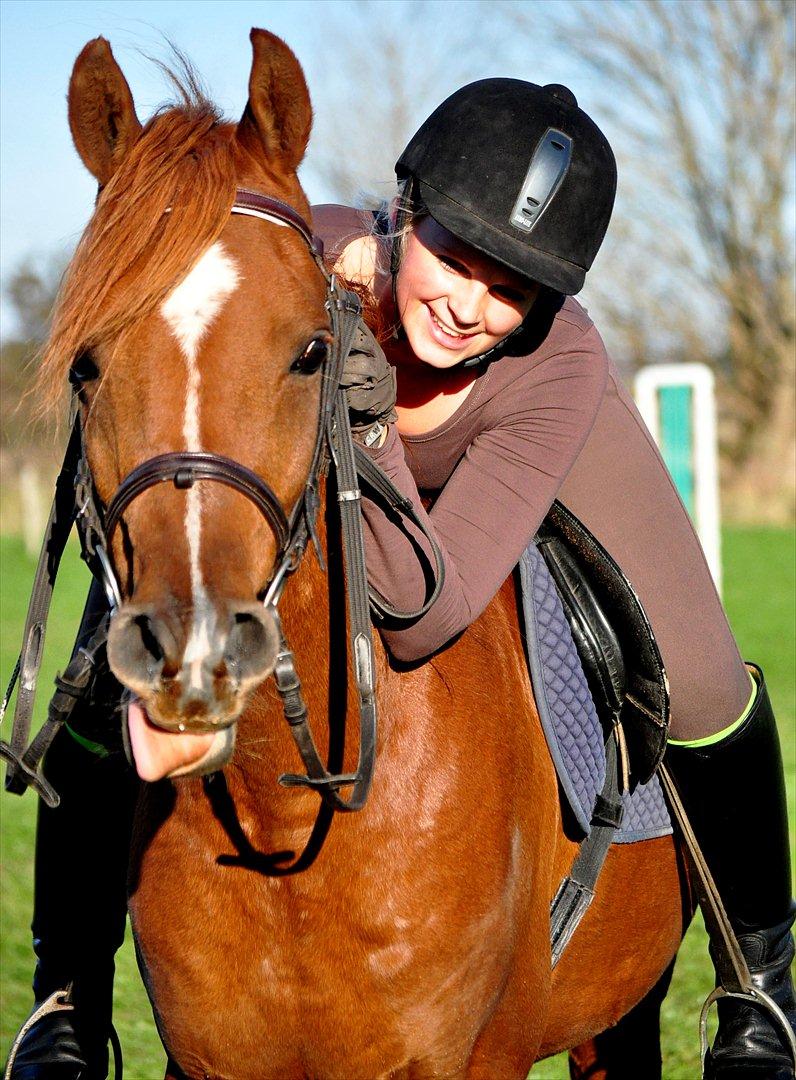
{"x": 76, "y": 502}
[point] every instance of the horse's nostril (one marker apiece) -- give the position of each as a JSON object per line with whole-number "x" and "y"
{"x": 247, "y": 636}
{"x": 252, "y": 642}
{"x": 148, "y": 638}
{"x": 141, "y": 648}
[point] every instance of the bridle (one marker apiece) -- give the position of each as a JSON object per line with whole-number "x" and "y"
{"x": 184, "y": 468}
{"x": 292, "y": 530}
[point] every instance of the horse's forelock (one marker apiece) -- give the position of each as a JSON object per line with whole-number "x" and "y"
{"x": 165, "y": 205}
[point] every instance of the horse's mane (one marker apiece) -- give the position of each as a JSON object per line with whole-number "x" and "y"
{"x": 166, "y": 203}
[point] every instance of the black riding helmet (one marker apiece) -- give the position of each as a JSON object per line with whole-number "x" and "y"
{"x": 519, "y": 172}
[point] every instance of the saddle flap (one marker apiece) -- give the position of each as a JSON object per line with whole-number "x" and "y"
{"x": 595, "y": 638}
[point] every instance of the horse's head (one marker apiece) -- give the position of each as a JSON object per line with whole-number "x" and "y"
{"x": 193, "y": 330}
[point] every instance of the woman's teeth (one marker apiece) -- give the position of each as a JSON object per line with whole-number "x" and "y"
{"x": 445, "y": 329}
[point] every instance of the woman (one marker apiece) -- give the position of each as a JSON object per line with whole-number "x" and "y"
{"x": 506, "y": 400}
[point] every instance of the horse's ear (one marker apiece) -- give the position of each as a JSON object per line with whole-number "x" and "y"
{"x": 278, "y": 115}
{"x": 101, "y": 110}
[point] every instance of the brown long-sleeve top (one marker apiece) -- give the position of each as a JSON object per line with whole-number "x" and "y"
{"x": 553, "y": 422}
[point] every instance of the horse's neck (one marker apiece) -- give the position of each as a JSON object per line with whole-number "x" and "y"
{"x": 439, "y": 724}
{"x": 459, "y": 752}
{"x": 314, "y": 618}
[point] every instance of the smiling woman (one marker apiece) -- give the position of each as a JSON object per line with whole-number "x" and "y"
{"x": 506, "y": 400}
{"x": 455, "y": 303}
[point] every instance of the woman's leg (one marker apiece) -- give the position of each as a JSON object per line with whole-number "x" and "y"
{"x": 80, "y": 901}
{"x": 733, "y": 788}
{"x": 729, "y": 772}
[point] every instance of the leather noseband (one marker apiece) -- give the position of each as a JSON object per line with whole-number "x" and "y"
{"x": 183, "y": 470}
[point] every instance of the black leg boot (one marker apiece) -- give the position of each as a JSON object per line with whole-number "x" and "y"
{"x": 80, "y": 904}
{"x": 734, "y": 794}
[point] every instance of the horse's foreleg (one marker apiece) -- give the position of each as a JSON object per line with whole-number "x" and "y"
{"x": 630, "y": 1049}
{"x": 508, "y": 1045}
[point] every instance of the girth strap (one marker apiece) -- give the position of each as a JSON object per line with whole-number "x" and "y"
{"x": 576, "y": 891}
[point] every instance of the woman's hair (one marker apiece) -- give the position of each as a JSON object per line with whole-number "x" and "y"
{"x": 393, "y": 221}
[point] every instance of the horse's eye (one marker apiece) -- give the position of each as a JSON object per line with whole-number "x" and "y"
{"x": 82, "y": 371}
{"x": 311, "y": 359}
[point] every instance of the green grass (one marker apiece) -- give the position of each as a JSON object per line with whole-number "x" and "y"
{"x": 759, "y": 595}
{"x": 144, "y": 1057}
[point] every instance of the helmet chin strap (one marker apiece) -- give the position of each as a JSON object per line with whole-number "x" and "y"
{"x": 495, "y": 352}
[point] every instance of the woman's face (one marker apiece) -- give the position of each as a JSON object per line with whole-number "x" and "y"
{"x": 453, "y": 301}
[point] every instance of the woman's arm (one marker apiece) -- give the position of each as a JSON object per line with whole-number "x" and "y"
{"x": 493, "y": 502}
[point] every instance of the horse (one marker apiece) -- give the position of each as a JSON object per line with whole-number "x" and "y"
{"x": 276, "y": 937}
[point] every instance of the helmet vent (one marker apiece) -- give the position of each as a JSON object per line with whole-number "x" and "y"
{"x": 549, "y": 165}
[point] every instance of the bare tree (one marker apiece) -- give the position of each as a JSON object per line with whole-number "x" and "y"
{"x": 376, "y": 76}
{"x": 698, "y": 99}
{"x": 28, "y": 453}
{"x": 30, "y": 290}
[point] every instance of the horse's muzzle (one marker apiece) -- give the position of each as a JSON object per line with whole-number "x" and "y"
{"x": 195, "y": 670}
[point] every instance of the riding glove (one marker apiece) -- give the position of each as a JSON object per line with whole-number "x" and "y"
{"x": 369, "y": 383}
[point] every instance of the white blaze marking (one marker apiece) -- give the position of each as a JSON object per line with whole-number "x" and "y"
{"x": 189, "y": 310}
{"x": 198, "y": 646}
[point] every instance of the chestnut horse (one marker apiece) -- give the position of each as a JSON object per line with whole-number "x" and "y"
{"x": 410, "y": 939}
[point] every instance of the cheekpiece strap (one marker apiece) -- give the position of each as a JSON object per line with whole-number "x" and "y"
{"x": 26, "y": 671}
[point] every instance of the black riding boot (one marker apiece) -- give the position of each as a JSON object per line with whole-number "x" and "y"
{"x": 80, "y": 904}
{"x": 734, "y": 793}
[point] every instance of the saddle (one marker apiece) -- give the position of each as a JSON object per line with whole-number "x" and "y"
{"x": 620, "y": 677}
{"x": 620, "y": 657}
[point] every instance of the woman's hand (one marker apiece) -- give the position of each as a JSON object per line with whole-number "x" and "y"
{"x": 369, "y": 383}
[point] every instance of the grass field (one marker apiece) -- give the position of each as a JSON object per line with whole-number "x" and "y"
{"x": 759, "y": 594}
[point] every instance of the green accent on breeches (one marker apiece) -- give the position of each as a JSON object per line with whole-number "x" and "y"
{"x": 718, "y": 736}
{"x": 88, "y": 744}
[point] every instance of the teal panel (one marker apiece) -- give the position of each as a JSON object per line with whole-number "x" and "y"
{"x": 677, "y": 439}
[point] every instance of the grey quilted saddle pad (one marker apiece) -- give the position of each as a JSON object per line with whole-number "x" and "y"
{"x": 567, "y": 711}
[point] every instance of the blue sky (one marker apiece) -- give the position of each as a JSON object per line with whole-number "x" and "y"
{"x": 45, "y": 193}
